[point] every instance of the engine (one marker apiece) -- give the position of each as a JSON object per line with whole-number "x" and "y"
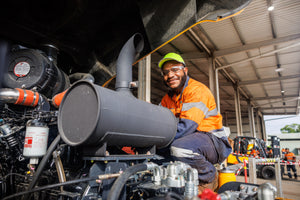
{"x": 76, "y": 152}
{"x": 62, "y": 141}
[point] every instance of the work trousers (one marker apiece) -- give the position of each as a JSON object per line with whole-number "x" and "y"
{"x": 201, "y": 151}
{"x": 289, "y": 167}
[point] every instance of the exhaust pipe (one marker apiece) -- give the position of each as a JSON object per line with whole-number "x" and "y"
{"x": 127, "y": 56}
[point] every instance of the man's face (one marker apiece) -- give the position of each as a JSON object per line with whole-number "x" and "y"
{"x": 287, "y": 150}
{"x": 174, "y": 80}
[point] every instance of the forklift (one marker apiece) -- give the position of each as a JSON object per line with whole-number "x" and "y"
{"x": 245, "y": 147}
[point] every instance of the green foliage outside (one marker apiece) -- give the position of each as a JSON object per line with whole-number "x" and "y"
{"x": 293, "y": 128}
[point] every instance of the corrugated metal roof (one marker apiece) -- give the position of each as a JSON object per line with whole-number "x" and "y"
{"x": 268, "y": 81}
{"x": 286, "y": 17}
{"x": 222, "y": 33}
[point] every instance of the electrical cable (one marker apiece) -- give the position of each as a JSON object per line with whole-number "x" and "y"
{"x": 173, "y": 195}
{"x": 122, "y": 179}
{"x": 16, "y": 174}
{"x": 50, "y": 186}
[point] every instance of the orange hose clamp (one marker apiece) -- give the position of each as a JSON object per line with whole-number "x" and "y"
{"x": 27, "y": 98}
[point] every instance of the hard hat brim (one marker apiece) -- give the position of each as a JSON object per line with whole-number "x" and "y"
{"x": 164, "y": 60}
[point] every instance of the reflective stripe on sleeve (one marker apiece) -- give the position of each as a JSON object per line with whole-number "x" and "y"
{"x": 219, "y": 133}
{"x": 212, "y": 113}
{"x": 202, "y": 107}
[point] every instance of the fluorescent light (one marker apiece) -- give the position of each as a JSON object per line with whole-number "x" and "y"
{"x": 270, "y": 8}
{"x": 282, "y": 91}
{"x": 279, "y": 69}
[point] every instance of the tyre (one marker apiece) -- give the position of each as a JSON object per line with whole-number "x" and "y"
{"x": 268, "y": 172}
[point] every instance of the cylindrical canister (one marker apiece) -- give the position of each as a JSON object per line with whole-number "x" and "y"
{"x": 225, "y": 176}
{"x": 36, "y": 139}
{"x": 90, "y": 115}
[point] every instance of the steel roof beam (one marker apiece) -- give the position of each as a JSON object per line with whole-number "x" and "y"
{"x": 224, "y": 52}
{"x": 273, "y": 97}
{"x": 255, "y": 45}
{"x": 283, "y": 107}
{"x": 281, "y": 113}
{"x": 251, "y": 82}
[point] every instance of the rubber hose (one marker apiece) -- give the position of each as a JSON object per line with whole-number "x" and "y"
{"x": 81, "y": 76}
{"x": 173, "y": 195}
{"x": 118, "y": 185}
{"x": 51, "y": 186}
{"x": 42, "y": 164}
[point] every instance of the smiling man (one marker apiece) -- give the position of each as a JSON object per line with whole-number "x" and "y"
{"x": 200, "y": 140}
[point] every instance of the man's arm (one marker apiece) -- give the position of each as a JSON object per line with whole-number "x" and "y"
{"x": 185, "y": 127}
{"x": 195, "y": 108}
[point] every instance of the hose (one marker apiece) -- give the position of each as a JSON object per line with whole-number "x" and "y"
{"x": 51, "y": 186}
{"x": 122, "y": 179}
{"x": 173, "y": 195}
{"x": 42, "y": 164}
{"x": 81, "y": 76}
{"x": 19, "y": 96}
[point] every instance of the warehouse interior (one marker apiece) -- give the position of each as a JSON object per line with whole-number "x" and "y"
{"x": 255, "y": 57}
{"x": 71, "y": 126}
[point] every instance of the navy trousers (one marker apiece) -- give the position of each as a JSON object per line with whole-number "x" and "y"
{"x": 201, "y": 151}
{"x": 293, "y": 168}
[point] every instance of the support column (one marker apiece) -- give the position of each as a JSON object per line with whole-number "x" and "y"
{"x": 144, "y": 89}
{"x": 238, "y": 112}
{"x": 264, "y": 133}
{"x": 278, "y": 178}
{"x": 251, "y": 120}
{"x": 259, "y": 126}
{"x": 212, "y": 76}
{"x": 226, "y": 119}
{"x": 252, "y": 171}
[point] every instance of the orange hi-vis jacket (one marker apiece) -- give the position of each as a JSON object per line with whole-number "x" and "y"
{"x": 290, "y": 157}
{"x": 254, "y": 152}
{"x": 195, "y": 108}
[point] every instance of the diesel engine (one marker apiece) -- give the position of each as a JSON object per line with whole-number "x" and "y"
{"x": 63, "y": 135}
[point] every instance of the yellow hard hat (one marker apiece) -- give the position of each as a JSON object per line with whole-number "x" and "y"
{"x": 170, "y": 56}
{"x": 250, "y": 146}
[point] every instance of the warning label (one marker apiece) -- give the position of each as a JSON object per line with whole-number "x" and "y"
{"x": 22, "y": 69}
{"x": 28, "y": 142}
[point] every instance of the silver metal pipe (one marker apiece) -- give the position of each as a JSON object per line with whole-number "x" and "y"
{"x": 8, "y": 95}
{"x": 59, "y": 168}
{"x": 217, "y": 90}
{"x": 238, "y": 112}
